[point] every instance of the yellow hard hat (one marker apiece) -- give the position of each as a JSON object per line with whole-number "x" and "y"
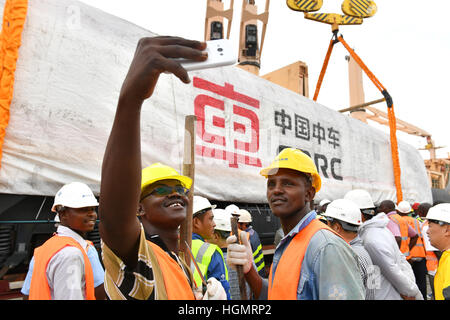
{"x": 294, "y": 159}
{"x": 158, "y": 172}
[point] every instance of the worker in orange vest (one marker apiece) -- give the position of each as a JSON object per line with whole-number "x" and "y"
{"x": 62, "y": 270}
{"x": 141, "y": 254}
{"x": 303, "y": 259}
{"x": 408, "y": 235}
{"x": 417, "y": 257}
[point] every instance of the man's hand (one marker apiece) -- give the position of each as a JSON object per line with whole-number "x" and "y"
{"x": 154, "y": 56}
{"x": 239, "y": 254}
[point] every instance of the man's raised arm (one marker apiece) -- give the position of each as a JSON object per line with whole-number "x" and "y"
{"x": 121, "y": 168}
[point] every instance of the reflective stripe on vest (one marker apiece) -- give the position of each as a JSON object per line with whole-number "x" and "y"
{"x": 403, "y": 225}
{"x": 176, "y": 284}
{"x": 258, "y": 257}
{"x": 284, "y": 283}
{"x": 418, "y": 251}
{"x": 203, "y": 252}
{"x": 39, "y": 287}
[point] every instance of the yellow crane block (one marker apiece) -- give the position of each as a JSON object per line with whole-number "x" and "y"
{"x": 359, "y": 8}
{"x": 333, "y": 18}
{"x": 304, "y": 5}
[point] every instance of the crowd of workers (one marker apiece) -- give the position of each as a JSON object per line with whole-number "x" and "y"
{"x": 344, "y": 249}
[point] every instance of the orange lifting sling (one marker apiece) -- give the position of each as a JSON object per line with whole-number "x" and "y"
{"x": 14, "y": 14}
{"x": 388, "y": 98}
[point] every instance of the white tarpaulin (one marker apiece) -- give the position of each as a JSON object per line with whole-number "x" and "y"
{"x": 71, "y": 65}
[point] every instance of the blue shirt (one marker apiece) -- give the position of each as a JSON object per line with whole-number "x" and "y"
{"x": 216, "y": 268}
{"x": 329, "y": 269}
{"x": 97, "y": 270}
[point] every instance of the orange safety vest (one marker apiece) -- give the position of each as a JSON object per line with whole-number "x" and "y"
{"x": 432, "y": 260}
{"x": 284, "y": 284}
{"x": 39, "y": 288}
{"x": 418, "y": 251}
{"x": 403, "y": 225}
{"x": 175, "y": 281}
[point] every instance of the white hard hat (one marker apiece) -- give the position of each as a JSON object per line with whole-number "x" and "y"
{"x": 324, "y": 201}
{"x": 440, "y": 212}
{"x": 201, "y": 203}
{"x": 404, "y": 207}
{"x": 244, "y": 216}
{"x": 361, "y": 198}
{"x": 232, "y": 209}
{"x": 75, "y": 195}
{"x": 222, "y": 220}
{"x": 346, "y": 211}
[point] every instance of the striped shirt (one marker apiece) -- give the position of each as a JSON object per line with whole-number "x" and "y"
{"x": 139, "y": 283}
{"x": 365, "y": 266}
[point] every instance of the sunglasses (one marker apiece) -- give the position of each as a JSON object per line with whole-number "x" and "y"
{"x": 441, "y": 223}
{"x": 165, "y": 190}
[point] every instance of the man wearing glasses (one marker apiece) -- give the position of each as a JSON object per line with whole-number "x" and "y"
{"x": 141, "y": 210}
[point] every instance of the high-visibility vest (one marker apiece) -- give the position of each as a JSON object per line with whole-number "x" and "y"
{"x": 39, "y": 287}
{"x": 284, "y": 283}
{"x": 442, "y": 277}
{"x": 418, "y": 251}
{"x": 258, "y": 255}
{"x": 403, "y": 225}
{"x": 432, "y": 260}
{"x": 203, "y": 252}
{"x": 176, "y": 285}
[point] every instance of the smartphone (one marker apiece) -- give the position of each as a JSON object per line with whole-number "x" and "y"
{"x": 220, "y": 53}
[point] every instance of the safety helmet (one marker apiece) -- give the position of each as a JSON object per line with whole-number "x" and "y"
{"x": 324, "y": 202}
{"x": 440, "y": 212}
{"x": 74, "y": 195}
{"x": 244, "y": 216}
{"x": 232, "y": 209}
{"x": 222, "y": 220}
{"x": 361, "y": 198}
{"x": 200, "y": 204}
{"x": 158, "y": 172}
{"x": 404, "y": 207}
{"x": 294, "y": 159}
{"x": 345, "y": 210}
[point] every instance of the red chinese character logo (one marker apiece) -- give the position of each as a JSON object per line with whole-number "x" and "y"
{"x": 210, "y": 114}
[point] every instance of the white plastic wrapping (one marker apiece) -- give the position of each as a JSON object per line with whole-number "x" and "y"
{"x": 71, "y": 65}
